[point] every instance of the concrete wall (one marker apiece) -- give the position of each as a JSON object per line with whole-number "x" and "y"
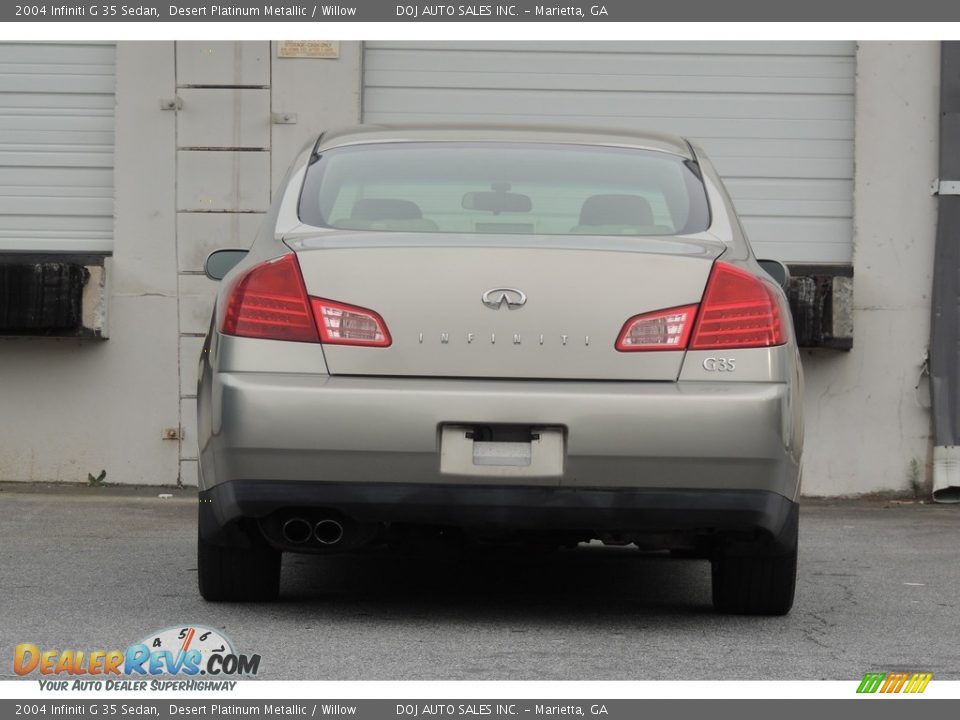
{"x": 321, "y": 93}
{"x": 69, "y": 408}
{"x": 864, "y": 421}
{"x": 231, "y": 155}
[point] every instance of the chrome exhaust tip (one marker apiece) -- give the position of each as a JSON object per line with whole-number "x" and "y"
{"x": 328, "y": 532}
{"x": 296, "y": 531}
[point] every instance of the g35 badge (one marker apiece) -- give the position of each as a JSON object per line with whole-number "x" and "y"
{"x": 712, "y": 364}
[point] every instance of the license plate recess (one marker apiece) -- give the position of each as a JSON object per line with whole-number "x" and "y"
{"x": 524, "y": 452}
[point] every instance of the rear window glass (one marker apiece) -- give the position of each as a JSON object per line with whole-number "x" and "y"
{"x": 504, "y": 188}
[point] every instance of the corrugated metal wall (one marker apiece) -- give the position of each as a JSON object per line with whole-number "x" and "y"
{"x": 776, "y": 118}
{"x": 56, "y": 146}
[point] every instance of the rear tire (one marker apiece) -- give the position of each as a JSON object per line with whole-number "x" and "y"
{"x": 238, "y": 573}
{"x": 758, "y": 581}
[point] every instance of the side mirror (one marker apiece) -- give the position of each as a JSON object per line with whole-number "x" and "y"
{"x": 220, "y": 262}
{"x": 777, "y": 270}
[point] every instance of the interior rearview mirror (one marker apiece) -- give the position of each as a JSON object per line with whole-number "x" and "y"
{"x": 220, "y": 262}
{"x": 497, "y": 202}
{"x": 777, "y": 270}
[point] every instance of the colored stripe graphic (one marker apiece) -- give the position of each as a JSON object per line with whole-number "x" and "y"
{"x": 918, "y": 683}
{"x": 894, "y": 682}
{"x": 871, "y": 682}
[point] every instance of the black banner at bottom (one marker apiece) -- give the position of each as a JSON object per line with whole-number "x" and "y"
{"x": 875, "y": 708}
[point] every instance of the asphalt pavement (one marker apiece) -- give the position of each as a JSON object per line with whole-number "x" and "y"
{"x": 100, "y": 568}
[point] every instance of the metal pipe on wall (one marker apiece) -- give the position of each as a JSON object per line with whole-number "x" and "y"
{"x": 945, "y": 320}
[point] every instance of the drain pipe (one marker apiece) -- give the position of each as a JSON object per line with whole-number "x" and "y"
{"x": 945, "y": 320}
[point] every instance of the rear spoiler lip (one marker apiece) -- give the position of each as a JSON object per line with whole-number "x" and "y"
{"x": 304, "y": 237}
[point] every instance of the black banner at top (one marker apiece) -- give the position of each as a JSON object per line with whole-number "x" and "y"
{"x": 617, "y": 11}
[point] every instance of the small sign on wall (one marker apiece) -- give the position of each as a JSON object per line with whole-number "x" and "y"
{"x": 326, "y": 49}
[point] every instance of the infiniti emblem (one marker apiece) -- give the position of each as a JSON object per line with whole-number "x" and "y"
{"x": 496, "y": 297}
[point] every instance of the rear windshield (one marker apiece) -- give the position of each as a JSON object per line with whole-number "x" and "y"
{"x": 496, "y": 188}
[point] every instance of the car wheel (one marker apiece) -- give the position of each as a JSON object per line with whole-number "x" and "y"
{"x": 761, "y": 582}
{"x": 234, "y": 573}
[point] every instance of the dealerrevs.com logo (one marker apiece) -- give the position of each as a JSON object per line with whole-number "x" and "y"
{"x": 189, "y": 650}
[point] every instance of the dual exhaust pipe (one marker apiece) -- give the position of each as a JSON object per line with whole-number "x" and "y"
{"x": 298, "y": 530}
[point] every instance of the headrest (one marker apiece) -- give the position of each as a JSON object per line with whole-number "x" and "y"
{"x": 616, "y": 210}
{"x": 385, "y": 209}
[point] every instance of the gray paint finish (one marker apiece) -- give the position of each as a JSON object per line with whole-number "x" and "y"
{"x": 298, "y": 411}
{"x": 566, "y": 329}
{"x": 297, "y": 427}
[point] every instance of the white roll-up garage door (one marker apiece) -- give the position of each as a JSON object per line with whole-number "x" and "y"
{"x": 56, "y": 146}
{"x": 776, "y": 117}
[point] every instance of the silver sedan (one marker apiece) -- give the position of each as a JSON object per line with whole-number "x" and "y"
{"x": 500, "y": 335}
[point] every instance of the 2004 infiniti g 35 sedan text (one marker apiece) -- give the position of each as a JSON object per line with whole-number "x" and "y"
{"x": 500, "y": 334}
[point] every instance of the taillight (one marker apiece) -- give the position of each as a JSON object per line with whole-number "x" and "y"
{"x": 738, "y": 310}
{"x": 341, "y": 324}
{"x": 660, "y": 330}
{"x": 270, "y": 301}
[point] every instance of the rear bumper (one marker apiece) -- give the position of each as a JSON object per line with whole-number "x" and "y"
{"x": 600, "y": 510}
{"x": 290, "y": 428}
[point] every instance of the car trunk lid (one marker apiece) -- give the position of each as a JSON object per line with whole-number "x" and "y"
{"x": 453, "y": 306}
